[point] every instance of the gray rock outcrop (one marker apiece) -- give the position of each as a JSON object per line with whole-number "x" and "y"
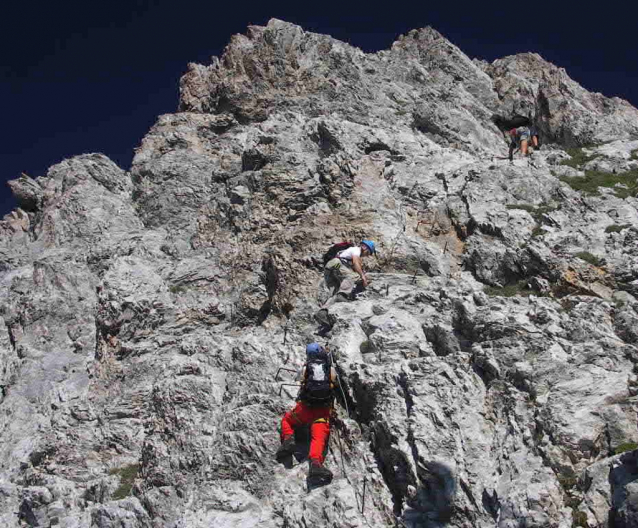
{"x": 488, "y": 372}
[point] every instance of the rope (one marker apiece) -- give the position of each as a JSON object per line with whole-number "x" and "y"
{"x": 345, "y": 401}
{"x": 343, "y": 464}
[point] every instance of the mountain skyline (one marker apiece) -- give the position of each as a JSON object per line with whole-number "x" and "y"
{"x": 85, "y": 79}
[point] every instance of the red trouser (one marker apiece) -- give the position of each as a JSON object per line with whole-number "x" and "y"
{"x": 319, "y": 420}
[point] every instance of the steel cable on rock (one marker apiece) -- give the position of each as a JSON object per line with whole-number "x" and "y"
{"x": 340, "y": 445}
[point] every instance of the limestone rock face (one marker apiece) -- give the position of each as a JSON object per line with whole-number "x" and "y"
{"x": 565, "y": 111}
{"x": 488, "y": 373}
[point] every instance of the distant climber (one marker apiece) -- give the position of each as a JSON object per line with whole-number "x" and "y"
{"x": 520, "y": 139}
{"x": 343, "y": 274}
{"x": 520, "y": 132}
{"x": 314, "y": 406}
{"x": 343, "y": 270}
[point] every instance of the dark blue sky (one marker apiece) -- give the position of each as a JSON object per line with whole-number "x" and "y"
{"x": 93, "y": 76}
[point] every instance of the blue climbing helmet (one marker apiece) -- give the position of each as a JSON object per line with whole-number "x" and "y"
{"x": 315, "y": 350}
{"x": 370, "y": 246}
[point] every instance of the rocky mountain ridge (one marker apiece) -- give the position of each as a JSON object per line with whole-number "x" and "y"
{"x": 488, "y": 370}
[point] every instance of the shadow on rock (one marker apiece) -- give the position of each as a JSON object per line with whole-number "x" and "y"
{"x": 623, "y": 480}
{"x": 302, "y": 447}
{"x": 434, "y": 499}
{"x": 312, "y": 484}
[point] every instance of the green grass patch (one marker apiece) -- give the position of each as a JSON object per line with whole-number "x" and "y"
{"x": 572, "y": 502}
{"x": 365, "y": 347}
{"x": 623, "y": 448}
{"x": 634, "y": 154}
{"x": 579, "y": 519}
{"x": 127, "y": 476}
{"x": 567, "y": 482}
{"x": 577, "y": 158}
{"x": 619, "y": 304}
{"x": 531, "y": 209}
{"x": 627, "y": 182}
{"x": 177, "y": 288}
{"x": 588, "y": 257}
{"x": 537, "y": 231}
{"x": 546, "y": 209}
{"x": 520, "y": 288}
{"x": 616, "y": 228}
{"x": 537, "y": 212}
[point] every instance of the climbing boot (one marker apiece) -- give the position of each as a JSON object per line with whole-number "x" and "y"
{"x": 319, "y": 474}
{"x": 322, "y": 317}
{"x": 342, "y": 297}
{"x": 286, "y": 449}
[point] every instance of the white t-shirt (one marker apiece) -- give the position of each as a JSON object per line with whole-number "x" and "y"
{"x": 347, "y": 254}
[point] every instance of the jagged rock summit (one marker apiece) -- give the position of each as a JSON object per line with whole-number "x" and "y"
{"x": 488, "y": 371}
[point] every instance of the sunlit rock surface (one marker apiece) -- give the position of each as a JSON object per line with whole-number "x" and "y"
{"x": 146, "y": 313}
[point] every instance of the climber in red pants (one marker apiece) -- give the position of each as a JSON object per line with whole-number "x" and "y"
{"x": 314, "y": 405}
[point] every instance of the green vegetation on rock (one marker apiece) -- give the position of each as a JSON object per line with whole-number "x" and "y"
{"x": 616, "y": 228}
{"x": 625, "y": 183}
{"x": 127, "y": 476}
{"x": 538, "y": 231}
{"x": 537, "y": 212}
{"x": 531, "y": 209}
{"x": 588, "y": 257}
{"x": 510, "y": 290}
{"x": 177, "y": 288}
{"x": 577, "y": 157}
{"x": 567, "y": 482}
{"x": 579, "y": 520}
{"x": 623, "y": 448}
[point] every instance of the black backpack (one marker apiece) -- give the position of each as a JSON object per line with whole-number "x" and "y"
{"x": 334, "y": 249}
{"x": 515, "y": 121}
{"x": 317, "y": 387}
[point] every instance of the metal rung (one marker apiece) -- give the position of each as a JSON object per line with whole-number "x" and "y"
{"x": 287, "y": 385}
{"x": 283, "y": 368}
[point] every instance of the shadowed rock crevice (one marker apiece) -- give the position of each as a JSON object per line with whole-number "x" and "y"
{"x": 365, "y": 398}
{"x": 404, "y": 383}
{"x": 379, "y": 147}
{"x": 491, "y": 503}
{"x": 391, "y": 461}
{"x": 326, "y": 139}
{"x": 395, "y": 468}
{"x": 623, "y": 480}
